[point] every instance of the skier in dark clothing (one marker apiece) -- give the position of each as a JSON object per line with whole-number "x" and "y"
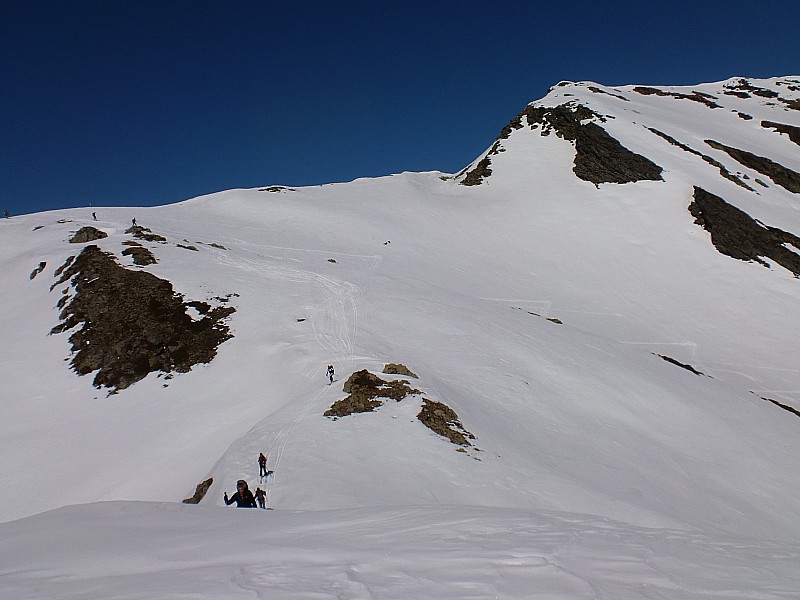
{"x": 330, "y": 373}
{"x": 261, "y": 496}
{"x": 243, "y": 496}
{"x": 133, "y": 221}
{"x": 262, "y": 465}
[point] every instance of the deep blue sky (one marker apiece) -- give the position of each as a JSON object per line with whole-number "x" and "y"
{"x": 142, "y": 103}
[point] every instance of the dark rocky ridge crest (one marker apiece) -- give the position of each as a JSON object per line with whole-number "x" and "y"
{"x": 132, "y": 322}
{"x": 599, "y": 158}
{"x": 737, "y": 234}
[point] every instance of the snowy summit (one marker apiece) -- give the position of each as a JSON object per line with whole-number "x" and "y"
{"x": 567, "y": 371}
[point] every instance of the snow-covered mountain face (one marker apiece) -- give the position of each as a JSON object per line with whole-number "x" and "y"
{"x": 599, "y": 314}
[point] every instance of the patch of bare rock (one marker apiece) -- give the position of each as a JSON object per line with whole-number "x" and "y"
{"x": 783, "y": 176}
{"x": 367, "y": 392}
{"x": 87, "y": 234}
{"x": 130, "y": 323}
{"x": 199, "y": 492}
{"x": 736, "y": 234}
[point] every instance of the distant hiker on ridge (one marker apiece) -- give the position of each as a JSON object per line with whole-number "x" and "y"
{"x": 330, "y": 373}
{"x": 133, "y": 221}
{"x": 262, "y": 465}
{"x": 94, "y": 216}
{"x": 261, "y": 496}
{"x": 6, "y": 214}
{"x": 243, "y": 496}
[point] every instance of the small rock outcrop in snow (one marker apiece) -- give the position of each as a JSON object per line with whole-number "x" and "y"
{"x": 367, "y": 392}
{"x": 87, "y": 234}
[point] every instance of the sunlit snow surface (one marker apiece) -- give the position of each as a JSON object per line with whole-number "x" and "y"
{"x": 151, "y": 550}
{"x": 599, "y": 469}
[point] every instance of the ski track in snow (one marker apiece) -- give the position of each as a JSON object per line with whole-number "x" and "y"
{"x": 334, "y": 324}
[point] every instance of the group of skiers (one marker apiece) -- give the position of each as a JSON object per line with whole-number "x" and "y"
{"x": 243, "y": 497}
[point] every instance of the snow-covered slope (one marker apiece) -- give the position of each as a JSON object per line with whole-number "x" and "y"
{"x": 551, "y": 312}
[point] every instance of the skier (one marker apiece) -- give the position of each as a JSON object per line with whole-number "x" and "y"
{"x": 330, "y": 373}
{"x": 261, "y": 496}
{"x": 133, "y": 221}
{"x": 94, "y": 216}
{"x": 243, "y": 496}
{"x": 6, "y": 214}
{"x": 262, "y": 465}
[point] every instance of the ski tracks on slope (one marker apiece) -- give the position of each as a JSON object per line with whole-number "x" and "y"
{"x": 334, "y": 324}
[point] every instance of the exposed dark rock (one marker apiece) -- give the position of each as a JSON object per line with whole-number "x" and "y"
{"x": 744, "y": 116}
{"x": 790, "y": 130}
{"x": 366, "y": 393}
{"x": 188, "y": 247}
{"x": 277, "y": 188}
{"x": 60, "y": 270}
{"x": 143, "y": 233}
{"x": 132, "y": 323}
{"x": 597, "y": 90}
{"x": 218, "y": 246}
{"x": 599, "y": 158}
{"x": 332, "y": 260}
{"x": 200, "y": 491}
{"x": 722, "y": 170}
{"x": 38, "y": 269}
{"x": 398, "y": 369}
{"x": 700, "y": 97}
{"x": 481, "y": 171}
{"x": 130, "y": 243}
{"x": 441, "y": 419}
{"x": 738, "y": 235}
{"x": 38, "y": 227}
{"x": 87, "y": 234}
{"x": 743, "y": 88}
{"x": 781, "y": 175}
{"x": 785, "y": 407}
{"x": 141, "y": 256}
{"x": 689, "y": 368}
{"x": 556, "y": 321}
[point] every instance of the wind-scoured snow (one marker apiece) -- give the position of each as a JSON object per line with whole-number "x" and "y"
{"x": 536, "y": 305}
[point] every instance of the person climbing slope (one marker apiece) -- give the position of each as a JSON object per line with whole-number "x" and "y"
{"x": 262, "y": 465}
{"x": 243, "y": 496}
{"x": 261, "y": 496}
{"x": 330, "y": 373}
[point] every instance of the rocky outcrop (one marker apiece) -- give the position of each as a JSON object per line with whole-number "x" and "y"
{"x": 790, "y": 130}
{"x": 87, "y": 234}
{"x": 131, "y": 323}
{"x": 695, "y": 96}
{"x": 141, "y": 255}
{"x": 736, "y": 234}
{"x": 781, "y": 175}
{"x": 443, "y": 420}
{"x": 599, "y": 158}
{"x": 398, "y": 369}
{"x": 715, "y": 163}
{"x": 200, "y": 491}
{"x": 368, "y": 392}
{"x": 38, "y": 269}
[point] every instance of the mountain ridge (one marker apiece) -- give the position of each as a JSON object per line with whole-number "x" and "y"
{"x": 610, "y": 361}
